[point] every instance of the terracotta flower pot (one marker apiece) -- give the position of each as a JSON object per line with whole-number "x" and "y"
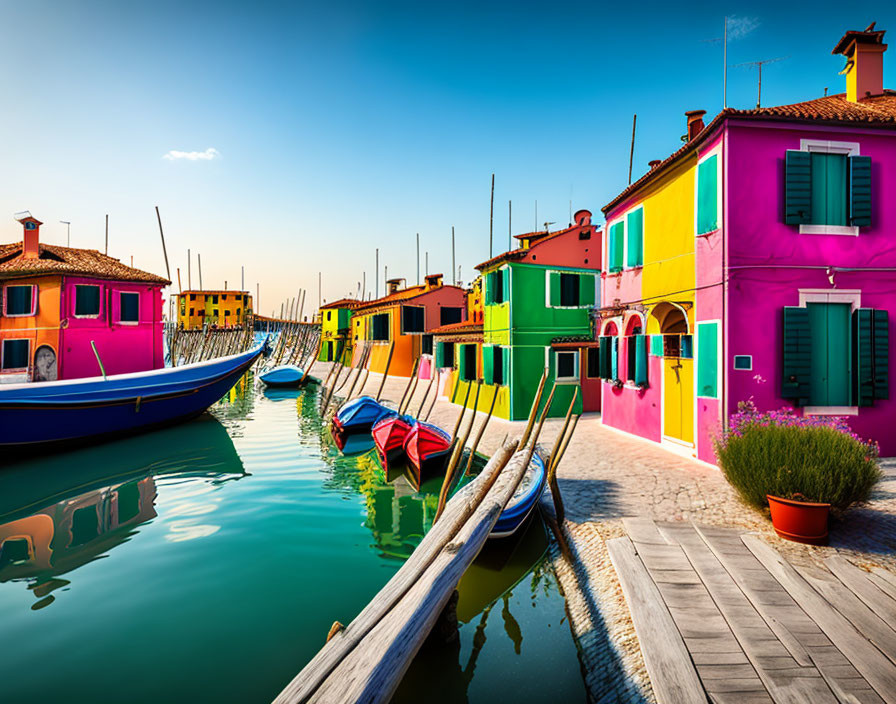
{"x": 801, "y": 521}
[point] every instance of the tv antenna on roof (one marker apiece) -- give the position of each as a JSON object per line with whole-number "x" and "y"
{"x": 547, "y": 226}
{"x": 759, "y": 64}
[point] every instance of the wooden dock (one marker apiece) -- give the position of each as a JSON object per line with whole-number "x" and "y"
{"x": 721, "y": 616}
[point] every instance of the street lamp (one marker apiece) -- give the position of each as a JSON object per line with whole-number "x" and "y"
{"x": 68, "y": 225}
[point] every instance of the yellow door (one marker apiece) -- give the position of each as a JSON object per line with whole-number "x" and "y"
{"x": 678, "y": 404}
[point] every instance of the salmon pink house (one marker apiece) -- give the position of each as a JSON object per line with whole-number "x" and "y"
{"x": 759, "y": 262}
{"x": 59, "y": 303}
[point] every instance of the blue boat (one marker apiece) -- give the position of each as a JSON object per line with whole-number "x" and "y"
{"x": 286, "y": 376}
{"x": 43, "y": 415}
{"x": 523, "y": 500}
{"x": 359, "y": 415}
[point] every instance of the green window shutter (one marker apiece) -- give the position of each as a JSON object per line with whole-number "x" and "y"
{"x": 614, "y": 358}
{"x": 616, "y": 245}
{"x": 640, "y": 359}
{"x": 461, "y": 363}
{"x": 506, "y": 274}
{"x": 881, "y": 355}
{"x": 708, "y": 360}
{"x": 505, "y": 361}
{"x": 488, "y": 364}
{"x": 635, "y": 227}
{"x": 708, "y": 195}
{"x": 829, "y": 184}
{"x": 871, "y": 351}
{"x": 604, "y": 357}
{"x": 586, "y": 290}
{"x": 797, "y": 362}
{"x": 860, "y": 191}
{"x": 797, "y": 187}
{"x": 656, "y": 345}
{"x": 440, "y": 355}
{"x": 489, "y": 288}
{"x": 554, "y": 282}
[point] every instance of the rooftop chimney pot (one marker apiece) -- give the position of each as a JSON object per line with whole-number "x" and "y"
{"x": 31, "y": 236}
{"x": 654, "y": 163}
{"x": 864, "y": 52}
{"x": 695, "y": 122}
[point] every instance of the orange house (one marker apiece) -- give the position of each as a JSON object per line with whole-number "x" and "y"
{"x": 403, "y": 321}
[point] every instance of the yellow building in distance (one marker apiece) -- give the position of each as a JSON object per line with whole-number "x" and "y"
{"x": 221, "y": 308}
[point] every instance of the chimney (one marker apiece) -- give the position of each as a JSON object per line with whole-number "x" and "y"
{"x": 433, "y": 281}
{"x": 582, "y": 218}
{"x": 654, "y": 163}
{"x": 31, "y": 237}
{"x": 864, "y": 52}
{"x": 695, "y": 122}
{"x": 392, "y": 286}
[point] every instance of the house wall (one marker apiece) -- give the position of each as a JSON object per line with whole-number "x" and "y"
{"x": 760, "y": 243}
{"x": 334, "y": 326}
{"x": 43, "y": 327}
{"x": 122, "y": 348}
{"x": 229, "y": 302}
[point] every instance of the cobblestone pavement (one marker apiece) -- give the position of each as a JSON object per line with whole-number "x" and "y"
{"x": 606, "y": 475}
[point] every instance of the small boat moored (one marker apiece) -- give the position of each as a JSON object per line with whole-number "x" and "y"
{"x": 523, "y": 500}
{"x": 359, "y": 415}
{"x": 389, "y": 434}
{"x": 427, "y": 447}
{"x": 286, "y": 376}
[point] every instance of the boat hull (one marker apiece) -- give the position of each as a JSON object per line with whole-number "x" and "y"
{"x": 287, "y": 376}
{"x": 54, "y": 414}
{"x": 359, "y": 415}
{"x": 389, "y": 435}
{"x": 427, "y": 448}
{"x": 524, "y": 500}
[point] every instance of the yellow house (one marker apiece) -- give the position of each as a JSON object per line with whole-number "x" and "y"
{"x": 335, "y": 326}
{"x": 221, "y": 308}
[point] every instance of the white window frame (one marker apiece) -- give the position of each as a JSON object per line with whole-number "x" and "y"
{"x": 734, "y": 366}
{"x": 75, "y": 302}
{"x": 3, "y": 355}
{"x": 547, "y": 287}
{"x": 830, "y": 147}
{"x": 33, "y": 312}
{"x": 566, "y": 379}
{"x": 128, "y": 293}
{"x": 714, "y": 152}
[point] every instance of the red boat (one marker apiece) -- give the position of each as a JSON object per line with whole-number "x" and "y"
{"x": 427, "y": 447}
{"x": 389, "y": 435}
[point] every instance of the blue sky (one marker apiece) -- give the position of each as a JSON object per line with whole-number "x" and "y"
{"x": 336, "y": 128}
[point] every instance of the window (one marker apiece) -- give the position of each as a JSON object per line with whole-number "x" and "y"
{"x": 498, "y": 355}
{"x": 615, "y": 246}
{"x": 426, "y": 344}
{"x": 226, "y": 312}
{"x": 634, "y": 225}
{"x": 497, "y": 286}
{"x": 593, "y": 362}
{"x": 566, "y": 290}
{"x": 224, "y": 297}
{"x": 16, "y": 551}
{"x": 238, "y": 310}
{"x": 467, "y": 370}
{"x": 827, "y": 188}
{"x": 567, "y": 365}
{"x": 87, "y": 301}
{"x": 444, "y": 355}
{"x": 450, "y": 315}
{"x": 379, "y": 327}
{"x": 215, "y": 312}
{"x": 16, "y": 354}
{"x": 708, "y": 195}
{"x": 569, "y": 290}
{"x": 708, "y": 359}
{"x": 329, "y": 315}
{"x": 687, "y": 347}
{"x": 584, "y": 234}
{"x": 192, "y": 311}
{"x": 21, "y": 300}
{"x": 743, "y": 361}
{"x": 129, "y": 307}
{"x": 412, "y": 319}
{"x": 215, "y": 300}
{"x": 192, "y": 296}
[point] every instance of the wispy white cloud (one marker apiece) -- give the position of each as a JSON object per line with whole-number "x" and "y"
{"x": 739, "y": 27}
{"x": 207, "y": 155}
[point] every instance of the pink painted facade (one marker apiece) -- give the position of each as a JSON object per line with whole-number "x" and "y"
{"x": 122, "y": 347}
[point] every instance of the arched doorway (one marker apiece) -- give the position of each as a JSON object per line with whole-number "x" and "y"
{"x": 670, "y": 320}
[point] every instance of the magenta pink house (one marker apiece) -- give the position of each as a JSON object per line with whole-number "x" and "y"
{"x": 759, "y": 262}
{"x": 58, "y": 303}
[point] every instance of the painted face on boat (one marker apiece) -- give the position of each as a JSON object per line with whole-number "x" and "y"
{"x": 45, "y": 364}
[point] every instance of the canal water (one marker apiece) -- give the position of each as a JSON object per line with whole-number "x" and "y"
{"x": 207, "y": 562}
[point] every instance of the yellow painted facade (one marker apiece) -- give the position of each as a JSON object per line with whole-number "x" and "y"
{"x": 221, "y": 308}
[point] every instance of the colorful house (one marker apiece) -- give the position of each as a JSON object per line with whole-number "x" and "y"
{"x": 195, "y": 309}
{"x": 757, "y": 262}
{"x": 457, "y": 352}
{"x": 537, "y": 303}
{"x": 59, "y": 302}
{"x": 336, "y": 324}
{"x": 404, "y": 317}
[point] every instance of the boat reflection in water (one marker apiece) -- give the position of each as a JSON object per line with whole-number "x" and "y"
{"x": 64, "y": 511}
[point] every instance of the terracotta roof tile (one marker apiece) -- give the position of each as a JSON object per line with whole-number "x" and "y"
{"x": 54, "y": 259}
{"x": 399, "y": 296}
{"x": 877, "y": 111}
{"x": 350, "y": 303}
{"x": 453, "y": 328}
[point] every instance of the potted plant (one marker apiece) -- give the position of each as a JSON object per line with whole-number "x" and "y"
{"x": 802, "y": 468}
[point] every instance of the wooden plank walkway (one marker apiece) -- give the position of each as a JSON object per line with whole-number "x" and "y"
{"x": 728, "y": 611}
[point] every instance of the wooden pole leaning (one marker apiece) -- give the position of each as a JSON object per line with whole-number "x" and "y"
{"x": 415, "y": 379}
{"x": 533, "y": 412}
{"x": 454, "y": 463}
{"x": 366, "y": 370}
{"x": 379, "y": 391}
{"x": 463, "y": 410}
{"x": 408, "y": 387}
{"x": 480, "y": 433}
{"x": 307, "y": 370}
{"x": 552, "y": 472}
{"x": 432, "y": 378}
{"x": 435, "y": 396}
{"x": 362, "y": 358}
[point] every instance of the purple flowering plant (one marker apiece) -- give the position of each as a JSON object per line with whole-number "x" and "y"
{"x": 811, "y": 458}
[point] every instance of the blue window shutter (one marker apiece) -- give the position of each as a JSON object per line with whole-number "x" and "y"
{"x": 640, "y": 358}
{"x": 860, "y": 191}
{"x": 614, "y": 358}
{"x": 656, "y": 345}
{"x": 635, "y": 234}
{"x": 797, "y": 187}
{"x": 797, "y": 361}
{"x": 708, "y": 195}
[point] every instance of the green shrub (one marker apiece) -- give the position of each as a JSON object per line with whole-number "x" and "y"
{"x": 795, "y": 457}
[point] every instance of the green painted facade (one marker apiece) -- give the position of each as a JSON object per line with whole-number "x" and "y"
{"x": 335, "y": 334}
{"x": 531, "y": 315}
